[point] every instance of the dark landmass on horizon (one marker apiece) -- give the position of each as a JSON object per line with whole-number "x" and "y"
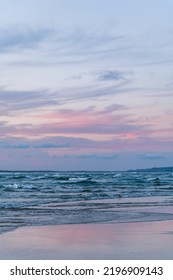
{"x": 153, "y": 169}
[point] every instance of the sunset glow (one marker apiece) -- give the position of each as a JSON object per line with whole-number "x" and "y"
{"x": 86, "y": 88}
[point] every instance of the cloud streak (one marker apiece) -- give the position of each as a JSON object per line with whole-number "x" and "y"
{"x": 18, "y": 38}
{"x": 56, "y": 46}
{"x": 12, "y": 101}
{"x": 152, "y": 157}
{"x": 111, "y": 76}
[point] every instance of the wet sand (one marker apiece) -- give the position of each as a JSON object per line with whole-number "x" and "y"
{"x": 130, "y": 241}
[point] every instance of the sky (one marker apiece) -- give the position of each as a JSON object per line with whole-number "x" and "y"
{"x": 86, "y": 85}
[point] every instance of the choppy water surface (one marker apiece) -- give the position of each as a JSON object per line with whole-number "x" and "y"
{"x": 41, "y": 198}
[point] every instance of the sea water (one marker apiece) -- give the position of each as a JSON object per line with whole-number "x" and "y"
{"x": 45, "y": 198}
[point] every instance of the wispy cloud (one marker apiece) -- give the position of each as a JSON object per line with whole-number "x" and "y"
{"x": 111, "y": 76}
{"x": 92, "y": 92}
{"x": 74, "y": 46}
{"x": 151, "y": 156}
{"x": 58, "y": 46}
{"x": 95, "y": 156}
{"x": 87, "y": 121}
{"x": 17, "y": 38}
{"x": 8, "y": 145}
{"x": 49, "y": 145}
{"x": 13, "y": 100}
{"x": 114, "y": 107}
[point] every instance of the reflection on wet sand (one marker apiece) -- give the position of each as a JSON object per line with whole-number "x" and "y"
{"x": 147, "y": 240}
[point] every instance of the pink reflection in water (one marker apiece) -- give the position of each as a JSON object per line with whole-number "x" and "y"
{"x": 148, "y": 240}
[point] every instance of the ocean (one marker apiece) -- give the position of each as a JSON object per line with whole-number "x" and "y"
{"x": 52, "y": 198}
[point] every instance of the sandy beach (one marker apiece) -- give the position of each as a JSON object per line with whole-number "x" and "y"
{"x": 146, "y": 240}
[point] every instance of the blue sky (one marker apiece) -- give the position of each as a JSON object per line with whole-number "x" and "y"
{"x": 86, "y": 84}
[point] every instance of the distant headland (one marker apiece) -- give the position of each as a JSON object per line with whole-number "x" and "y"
{"x": 153, "y": 169}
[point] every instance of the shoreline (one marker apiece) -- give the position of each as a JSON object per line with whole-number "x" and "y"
{"x": 101, "y": 241}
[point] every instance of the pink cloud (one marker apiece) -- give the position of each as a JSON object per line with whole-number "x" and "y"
{"x": 109, "y": 129}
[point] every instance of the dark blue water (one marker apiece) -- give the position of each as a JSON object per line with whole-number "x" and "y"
{"x": 42, "y": 198}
